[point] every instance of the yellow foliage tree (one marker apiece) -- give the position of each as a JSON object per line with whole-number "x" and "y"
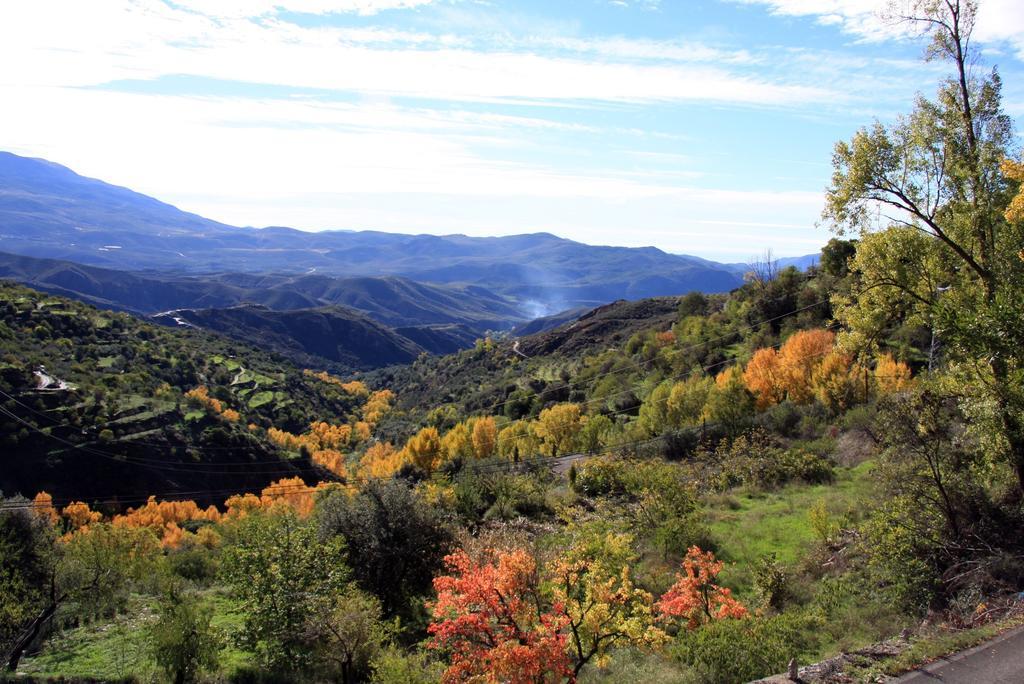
{"x": 457, "y": 443}
{"x": 517, "y": 441}
{"x": 381, "y": 461}
{"x": 558, "y": 427}
{"x": 424, "y": 449}
{"x": 485, "y": 437}
{"x": 835, "y": 381}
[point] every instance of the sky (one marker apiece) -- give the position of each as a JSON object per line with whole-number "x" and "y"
{"x": 701, "y": 127}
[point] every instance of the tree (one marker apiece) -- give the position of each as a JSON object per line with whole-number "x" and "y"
{"x": 457, "y": 443}
{"x": 591, "y": 586}
{"x": 278, "y": 568}
{"x": 425, "y": 449}
{"x": 763, "y": 377}
{"x": 558, "y": 427}
{"x": 798, "y": 358}
{"x": 182, "y": 640}
{"x": 489, "y": 615}
{"x": 394, "y": 541}
{"x": 654, "y": 412}
{"x": 952, "y": 255}
{"x": 347, "y": 633}
{"x": 485, "y": 437}
{"x": 729, "y": 402}
{"x": 695, "y": 596}
{"x": 90, "y": 574}
{"x": 516, "y": 441}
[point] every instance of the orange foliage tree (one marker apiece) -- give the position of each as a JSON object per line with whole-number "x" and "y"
{"x": 488, "y": 615}
{"x": 42, "y": 505}
{"x": 798, "y": 358}
{"x": 763, "y": 377}
{"x": 891, "y": 375}
{"x": 165, "y": 518}
{"x": 80, "y": 516}
{"x": 695, "y": 597}
{"x": 381, "y": 461}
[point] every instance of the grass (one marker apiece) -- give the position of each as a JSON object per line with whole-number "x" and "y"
{"x": 106, "y": 651}
{"x": 118, "y": 649}
{"x": 106, "y": 361}
{"x": 261, "y": 398}
{"x": 749, "y": 525}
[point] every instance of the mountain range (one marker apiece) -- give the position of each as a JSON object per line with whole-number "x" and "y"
{"x": 381, "y": 297}
{"x": 48, "y": 211}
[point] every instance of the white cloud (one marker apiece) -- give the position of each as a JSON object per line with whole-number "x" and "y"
{"x": 257, "y": 8}
{"x": 997, "y": 21}
{"x": 146, "y": 40}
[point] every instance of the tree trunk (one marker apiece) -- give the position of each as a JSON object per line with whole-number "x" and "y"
{"x": 29, "y": 636}
{"x": 1011, "y": 421}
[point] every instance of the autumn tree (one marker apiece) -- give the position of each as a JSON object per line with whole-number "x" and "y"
{"x": 488, "y": 615}
{"x": 947, "y": 253}
{"x": 763, "y": 377}
{"x": 891, "y": 375}
{"x": 730, "y": 403}
{"x": 558, "y": 427}
{"x": 424, "y": 449}
{"x": 695, "y": 597}
{"x": 798, "y": 358}
{"x": 485, "y": 437}
{"x": 457, "y": 443}
{"x": 517, "y": 441}
{"x": 591, "y": 586}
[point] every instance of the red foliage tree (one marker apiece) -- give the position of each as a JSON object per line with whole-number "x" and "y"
{"x": 695, "y": 596}
{"x": 488, "y": 615}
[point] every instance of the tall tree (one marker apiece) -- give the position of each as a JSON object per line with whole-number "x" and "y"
{"x": 948, "y": 254}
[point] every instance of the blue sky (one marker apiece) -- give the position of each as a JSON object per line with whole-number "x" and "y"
{"x": 700, "y": 126}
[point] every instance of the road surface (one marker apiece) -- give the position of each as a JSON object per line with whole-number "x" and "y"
{"x": 999, "y": 661}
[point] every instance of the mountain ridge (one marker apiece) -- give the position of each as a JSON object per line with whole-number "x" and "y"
{"x": 49, "y": 211}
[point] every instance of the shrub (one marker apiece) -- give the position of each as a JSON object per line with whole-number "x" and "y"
{"x": 726, "y": 651}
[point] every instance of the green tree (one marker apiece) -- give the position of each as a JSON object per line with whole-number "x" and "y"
{"x": 949, "y": 255}
{"x": 348, "y": 634}
{"x": 395, "y": 542}
{"x": 279, "y": 569}
{"x": 86, "y": 576}
{"x": 182, "y": 640}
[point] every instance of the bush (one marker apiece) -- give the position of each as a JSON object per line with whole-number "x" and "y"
{"x": 395, "y": 666}
{"x": 724, "y": 651}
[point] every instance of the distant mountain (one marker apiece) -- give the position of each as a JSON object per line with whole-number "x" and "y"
{"x": 390, "y": 300}
{"x": 48, "y": 211}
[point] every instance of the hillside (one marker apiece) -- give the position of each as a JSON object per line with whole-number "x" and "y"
{"x": 390, "y": 300}
{"x": 114, "y": 416}
{"x": 338, "y": 338}
{"x": 48, "y": 211}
